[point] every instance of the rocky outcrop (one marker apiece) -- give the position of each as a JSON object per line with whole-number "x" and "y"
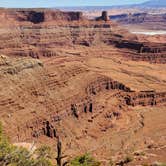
{"x": 4, "y": 60}
{"x": 104, "y": 83}
{"x": 141, "y": 47}
{"x": 15, "y": 66}
{"x": 150, "y": 52}
{"x": 103, "y": 17}
{"x": 149, "y": 57}
{"x": 145, "y": 98}
{"x": 134, "y": 45}
{"x": 47, "y": 130}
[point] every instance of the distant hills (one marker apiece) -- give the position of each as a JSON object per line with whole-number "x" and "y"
{"x": 154, "y": 3}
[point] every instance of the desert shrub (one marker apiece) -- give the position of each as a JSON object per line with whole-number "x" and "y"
{"x": 43, "y": 151}
{"x": 159, "y": 164}
{"x": 139, "y": 153}
{"x": 14, "y": 156}
{"x": 43, "y": 156}
{"x": 0, "y": 129}
{"x": 163, "y": 164}
{"x": 145, "y": 165}
{"x": 84, "y": 160}
{"x": 128, "y": 159}
{"x": 111, "y": 163}
{"x": 11, "y": 155}
{"x": 42, "y": 162}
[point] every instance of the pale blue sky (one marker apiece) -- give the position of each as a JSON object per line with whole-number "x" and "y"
{"x": 54, "y": 3}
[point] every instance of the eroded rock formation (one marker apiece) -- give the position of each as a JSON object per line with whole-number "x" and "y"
{"x": 145, "y": 98}
{"x": 151, "y": 52}
{"x": 79, "y": 106}
{"x": 103, "y": 17}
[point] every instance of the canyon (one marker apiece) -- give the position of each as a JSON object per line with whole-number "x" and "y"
{"x": 92, "y": 83}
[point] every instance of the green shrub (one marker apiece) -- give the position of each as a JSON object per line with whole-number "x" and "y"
{"x": 163, "y": 164}
{"x": 11, "y": 155}
{"x": 0, "y": 130}
{"x": 111, "y": 163}
{"x": 42, "y": 162}
{"x": 145, "y": 165}
{"x": 43, "y": 152}
{"x": 159, "y": 164}
{"x": 84, "y": 160}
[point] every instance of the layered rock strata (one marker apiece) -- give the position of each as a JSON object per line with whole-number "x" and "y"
{"x": 32, "y": 35}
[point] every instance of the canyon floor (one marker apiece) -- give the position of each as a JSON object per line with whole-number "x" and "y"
{"x": 102, "y": 92}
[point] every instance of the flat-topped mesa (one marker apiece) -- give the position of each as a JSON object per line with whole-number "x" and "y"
{"x": 104, "y": 16}
{"x": 39, "y": 15}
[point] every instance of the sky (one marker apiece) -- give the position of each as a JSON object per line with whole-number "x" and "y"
{"x": 56, "y": 3}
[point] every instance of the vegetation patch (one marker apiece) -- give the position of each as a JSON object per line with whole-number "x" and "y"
{"x": 84, "y": 160}
{"x": 11, "y": 155}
